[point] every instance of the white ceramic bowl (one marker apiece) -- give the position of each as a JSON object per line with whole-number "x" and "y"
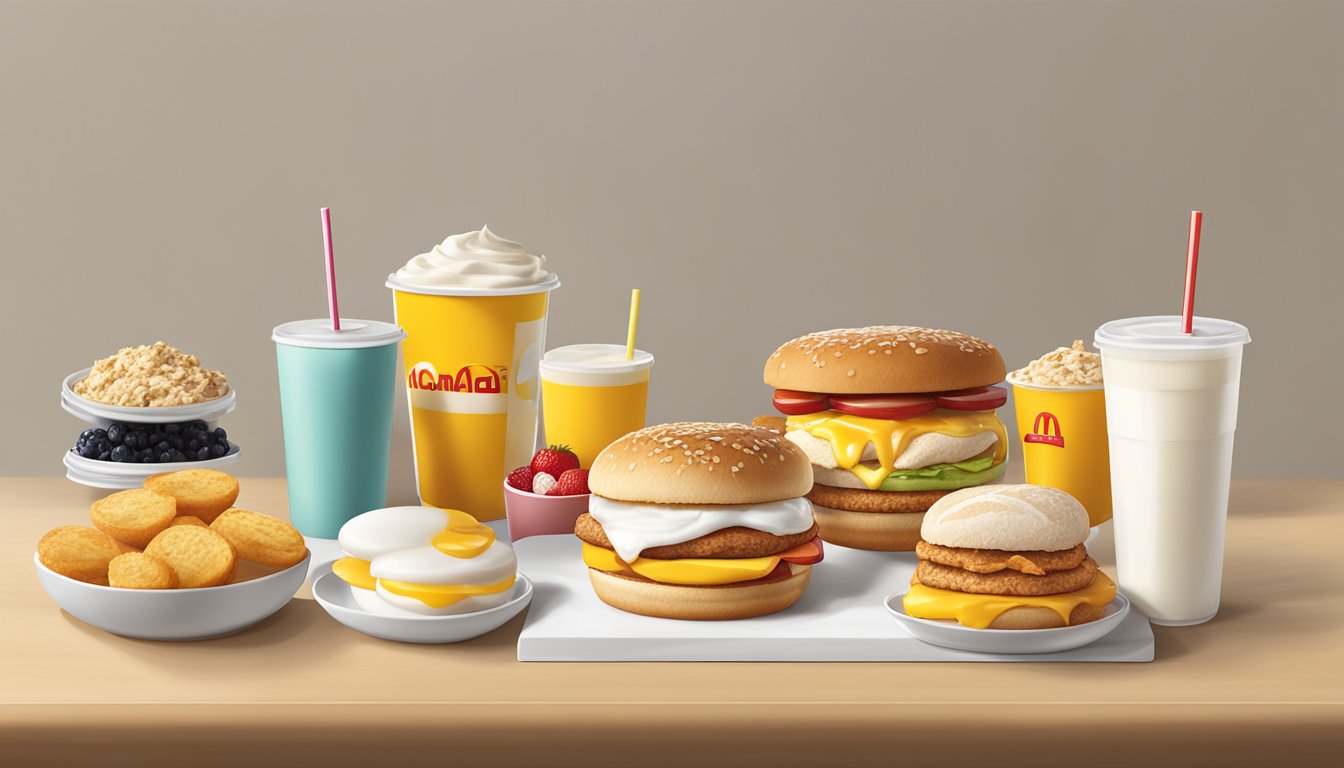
{"x": 174, "y": 614}
{"x": 101, "y": 414}
{"x": 335, "y": 598}
{"x": 119, "y": 475}
{"x": 950, "y": 634}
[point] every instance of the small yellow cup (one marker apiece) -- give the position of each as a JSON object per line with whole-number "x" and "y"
{"x": 591, "y": 396}
{"x": 1064, "y": 442}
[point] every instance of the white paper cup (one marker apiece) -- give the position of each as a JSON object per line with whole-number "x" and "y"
{"x": 1171, "y": 413}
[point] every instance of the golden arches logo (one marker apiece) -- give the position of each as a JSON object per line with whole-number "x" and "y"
{"x": 1046, "y": 429}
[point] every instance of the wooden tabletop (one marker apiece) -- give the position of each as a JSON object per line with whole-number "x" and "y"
{"x": 1261, "y": 684}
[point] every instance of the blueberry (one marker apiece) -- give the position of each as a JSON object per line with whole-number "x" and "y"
{"x": 103, "y": 445}
{"x": 137, "y": 440}
{"x": 122, "y": 453}
{"x": 105, "y": 456}
{"x": 194, "y": 444}
{"x": 202, "y": 453}
{"x": 157, "y": 436}
{"x": 163, "y": 446}
{"x": 178, "y": 455}
{"x": 165, "y": 457}
{"x": 173, "y": 429}
{"x": 146, "y": 457}
{"x": 89, "y": 451}
{"x": 218, "y": 449}
{"x": 87, "y": 435}
{"x": 177, "y": 442}
{"x": 196, "y": 427}
{"x": 220, "y": 434}
{"x": 116, "y": 433}
{"x": 100, "y": 434}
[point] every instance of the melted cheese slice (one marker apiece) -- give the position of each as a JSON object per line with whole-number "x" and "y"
{"x": 689, "y": 571}
{"x": 979, "y": 611}
{"x": 849, "y": 435}
{"x": 464, "y": 537}
{"x": 355, "y": 572}
{"x": 441, "y": 595}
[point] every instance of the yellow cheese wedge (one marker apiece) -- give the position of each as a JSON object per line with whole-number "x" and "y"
{"x": 979, "y": 611}
{"x": 690, "y": 571}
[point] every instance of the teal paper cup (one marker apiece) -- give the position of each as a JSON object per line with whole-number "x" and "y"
{"x": 336, "y": 390}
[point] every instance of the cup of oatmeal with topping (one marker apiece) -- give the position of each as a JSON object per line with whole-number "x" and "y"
{"x": 1061, "y": 421}
{"x": 151, "y": 376}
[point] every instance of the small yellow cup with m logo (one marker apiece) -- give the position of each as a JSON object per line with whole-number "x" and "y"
{"x": 1064, "y": 442}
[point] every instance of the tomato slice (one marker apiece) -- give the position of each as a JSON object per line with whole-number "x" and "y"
{"x": 804, "y": 554}
{"x": 884, "y": 406}
{"x": 982, "y": 399}
{"x": 798, "y": 403}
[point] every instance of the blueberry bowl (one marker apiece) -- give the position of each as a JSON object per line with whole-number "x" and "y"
{"x": 120, "y": 475}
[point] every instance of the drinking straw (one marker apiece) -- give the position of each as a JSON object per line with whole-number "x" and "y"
{"x": 1191, "y": 267}
{"x": 634, "y": 323}
{"x": 332, "y": 306}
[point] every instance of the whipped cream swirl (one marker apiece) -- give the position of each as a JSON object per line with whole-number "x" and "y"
{"x": 479, "y": 259}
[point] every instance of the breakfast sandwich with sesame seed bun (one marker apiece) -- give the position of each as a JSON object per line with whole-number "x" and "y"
{"x": 701, "y": 521}
{"x": 892, "y": 417}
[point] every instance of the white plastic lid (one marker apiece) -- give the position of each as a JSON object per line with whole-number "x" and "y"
{"x": 397, "y": 284}
{"x": 595, "y": 358}
{"x": 354, "y": 334}
{"x": 1163, "y": 332}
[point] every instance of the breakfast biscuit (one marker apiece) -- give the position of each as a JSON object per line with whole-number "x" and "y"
{"x": 199, "y": 556}
{"x": 188, "y": 520}
{"x": 136, "y": 570}
{"x": 133, "y": 517}
{"x": 202, "y": 493}
{"x": 79, "y": 552}
{"x": 1005, "y": 582}
{"x": 729, "y": 542}
{"x": 260, "y": 538}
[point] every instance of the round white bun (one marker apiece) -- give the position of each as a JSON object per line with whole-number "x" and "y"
{"x": 673, "y": 601}
{"x": 701, "y": 463}
{"x": 1009, "y": 518}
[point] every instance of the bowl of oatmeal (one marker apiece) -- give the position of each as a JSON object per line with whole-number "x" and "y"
{"x": 151, "y": 384}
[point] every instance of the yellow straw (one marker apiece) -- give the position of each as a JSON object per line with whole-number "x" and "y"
{"x": 634, "y": 323}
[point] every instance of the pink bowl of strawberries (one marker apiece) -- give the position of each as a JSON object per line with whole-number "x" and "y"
{"x": 546, "y": 496}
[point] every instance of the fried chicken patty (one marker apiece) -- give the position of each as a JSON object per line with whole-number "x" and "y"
{"x": 1008, "y": 582}
{"x": 881, "y": 502}
{"x": 729, "y": 543}
{"x": 993, "y": 560}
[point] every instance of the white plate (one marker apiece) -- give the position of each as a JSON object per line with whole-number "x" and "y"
{"x": 174, "y": 614}
{"x": 334, "y": 596}
{"x": 119, "y": 474}
{"x": 102, "y": 414}
{"x": 950, "y": 634}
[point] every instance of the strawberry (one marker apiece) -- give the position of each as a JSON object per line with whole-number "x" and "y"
{"x": 573, "y": 482}
{"x": 555, "y": 460}
{"x": 542, "y": 483}
{"x": 520, "y": 478}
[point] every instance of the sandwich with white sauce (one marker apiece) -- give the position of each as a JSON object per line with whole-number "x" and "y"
{"x": 700, "y": 521}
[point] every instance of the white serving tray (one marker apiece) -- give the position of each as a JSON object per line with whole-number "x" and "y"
{"x": 840, "y": 618}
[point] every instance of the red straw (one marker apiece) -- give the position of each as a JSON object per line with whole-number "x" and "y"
{"x": 332, "y": 305}
{"x": 1191, "y": 267}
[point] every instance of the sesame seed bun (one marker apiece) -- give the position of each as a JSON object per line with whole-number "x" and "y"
{"x": 701, "y": 463}
{"x": 1010, "y": 518}
{"x": 727, "y": 601}
{"x": 884, "y": 359}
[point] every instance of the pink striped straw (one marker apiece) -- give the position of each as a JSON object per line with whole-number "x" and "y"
{"x": 333, "y": 307}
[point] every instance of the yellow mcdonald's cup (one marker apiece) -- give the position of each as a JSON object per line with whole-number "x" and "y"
{"x": 1064, "y": 442}
{"x": 471, "y": 368}
{"x": 593, "y": 396}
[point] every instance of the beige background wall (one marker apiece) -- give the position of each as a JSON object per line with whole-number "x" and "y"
{"x": 1022, "y": 171}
